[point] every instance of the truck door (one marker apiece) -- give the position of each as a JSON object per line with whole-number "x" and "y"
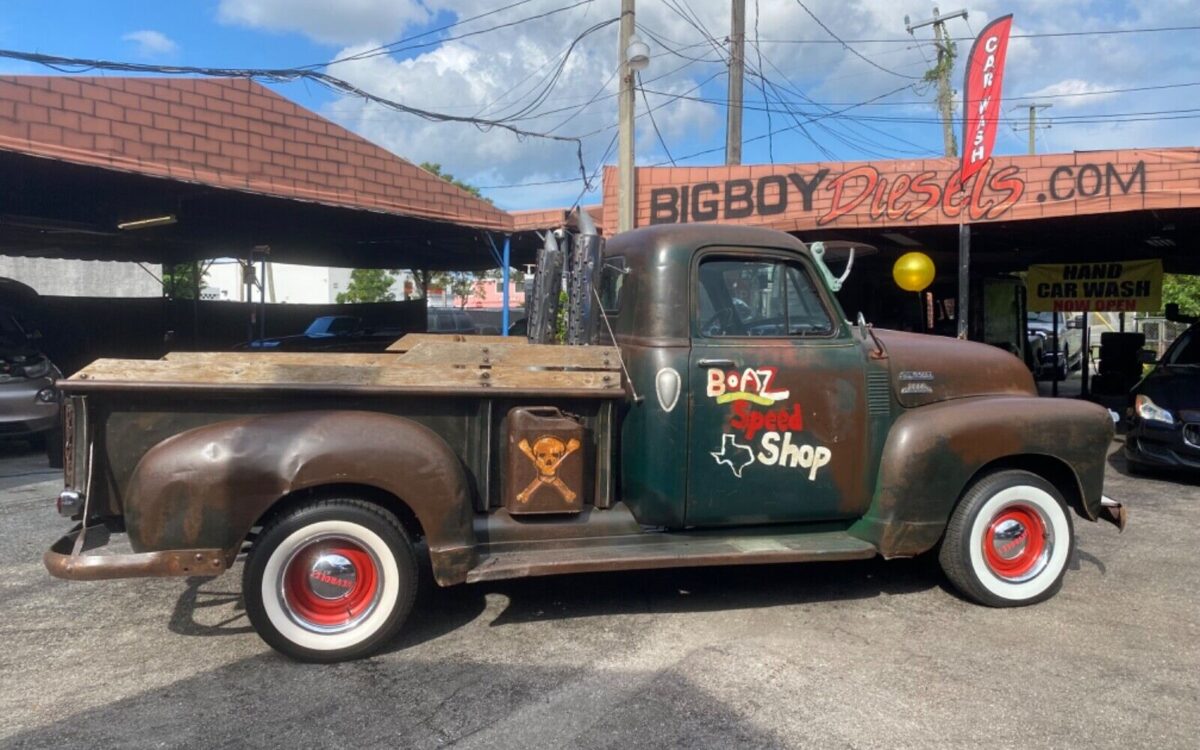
{"x": 777, "y": 429}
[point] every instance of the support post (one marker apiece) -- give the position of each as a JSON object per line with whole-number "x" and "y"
{"x": 504, "y": 271}
{"x": 964, "y": 280}
{"x": 1085, "y": 369}
{"x": 1057, "y": 352}
{"x": 737, "y": 66}
{"x": 626, "y": 198}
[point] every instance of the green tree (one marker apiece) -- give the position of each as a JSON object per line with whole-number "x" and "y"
{"x": 462, "y": 284}
{"x": 1183, "y": 290}
{"x": 182, "y": 280}
{"x": 436, "y": 168}
{"x": 368, "y": 285}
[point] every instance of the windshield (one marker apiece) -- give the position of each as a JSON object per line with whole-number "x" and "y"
{"x": 332, "y": 324}
{"x": 1041, "y": 317}
{"x": 1186, "y": 349}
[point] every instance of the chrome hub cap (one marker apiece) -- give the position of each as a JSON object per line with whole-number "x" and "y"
{"x": 330, "y": 584}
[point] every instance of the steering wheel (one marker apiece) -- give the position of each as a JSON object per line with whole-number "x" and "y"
{"x": 719, "y": 323}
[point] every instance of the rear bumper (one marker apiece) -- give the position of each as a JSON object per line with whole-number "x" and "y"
{"x": 69, "y": 558}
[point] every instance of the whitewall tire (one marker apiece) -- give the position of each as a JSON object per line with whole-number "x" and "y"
{"x": 330, "y": 580}
{"x": 1009, "y": 540}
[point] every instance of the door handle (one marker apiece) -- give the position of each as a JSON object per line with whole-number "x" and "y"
{"x": 715, "y": 363}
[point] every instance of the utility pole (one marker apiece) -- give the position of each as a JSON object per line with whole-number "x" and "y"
{"x": 1033, "y": 126}
{"x": 626, "y": 195}
{"x": 945, "y": 65}
{"x": 737, "y": 67}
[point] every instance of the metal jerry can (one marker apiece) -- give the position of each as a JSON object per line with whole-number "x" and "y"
{"x": 545, "y": 472}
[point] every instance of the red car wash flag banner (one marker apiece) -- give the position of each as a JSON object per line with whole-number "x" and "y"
{"x": 981, "y": 94}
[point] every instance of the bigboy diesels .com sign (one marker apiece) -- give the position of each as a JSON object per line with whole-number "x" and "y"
{"x": 822, "y": 196}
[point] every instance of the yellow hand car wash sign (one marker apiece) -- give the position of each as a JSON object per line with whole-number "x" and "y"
{"x": 1129, "y": 286}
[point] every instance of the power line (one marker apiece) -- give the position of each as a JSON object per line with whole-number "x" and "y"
{"x": 650, "y": 112}
{"x": 850, "y": 49}
{"x": 672, "y": 98}
{"x": 399, "y": 45}
{"x": 784, "y": 130}
{"x": 1040, "y": 35}
{"x": 285, "y": 75}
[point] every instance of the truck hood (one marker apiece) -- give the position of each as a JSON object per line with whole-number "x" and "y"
{"x": 926, "y": 369}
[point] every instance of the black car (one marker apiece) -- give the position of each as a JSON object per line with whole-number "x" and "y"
{"x": 1165, "y": 414}
{"x": 331, "y": 333}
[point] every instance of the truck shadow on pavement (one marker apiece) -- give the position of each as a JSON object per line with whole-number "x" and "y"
{"x": 214, "y": 607}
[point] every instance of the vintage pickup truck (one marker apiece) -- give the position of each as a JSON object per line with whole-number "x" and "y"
{"x": 738, "y": 419}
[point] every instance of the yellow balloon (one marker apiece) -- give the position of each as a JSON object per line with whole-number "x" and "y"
{"x": 913, "y": 271}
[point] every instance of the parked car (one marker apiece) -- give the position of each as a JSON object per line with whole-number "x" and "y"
{"x": 331, "y": 333}
{"x": 1164, "y": 416}
{"x": 1070, "y": 355}
{"x": 449, "y": 320}
{"x": 29, "y": 399}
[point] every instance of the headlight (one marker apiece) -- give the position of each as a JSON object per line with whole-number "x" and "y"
{"x": 1150, "y": 411}
{"x": 37, "y": 369}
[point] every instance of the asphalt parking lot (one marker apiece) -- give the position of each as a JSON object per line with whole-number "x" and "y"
{"x": 872, "y": 654}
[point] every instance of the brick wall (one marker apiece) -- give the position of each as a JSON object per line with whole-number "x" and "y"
{"x": 913, "y": 192}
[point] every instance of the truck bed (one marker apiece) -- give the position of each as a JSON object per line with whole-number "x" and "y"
{"x": 418, "y": 363}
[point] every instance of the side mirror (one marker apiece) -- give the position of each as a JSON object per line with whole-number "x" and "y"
{"x": 1076, "y": 322}
{"x": 1147, "y": 357}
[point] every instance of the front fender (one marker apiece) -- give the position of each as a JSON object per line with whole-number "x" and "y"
{"x": 933, "y": 451}
{"x": 206, "y": 487}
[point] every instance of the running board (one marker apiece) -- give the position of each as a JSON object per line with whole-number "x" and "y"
{"x": 676, "y": 550}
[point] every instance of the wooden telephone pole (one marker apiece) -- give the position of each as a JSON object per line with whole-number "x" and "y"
{"x": 626, "y": 197}
{"x": 941, "y": 72}
{"x": 737, "y": 71}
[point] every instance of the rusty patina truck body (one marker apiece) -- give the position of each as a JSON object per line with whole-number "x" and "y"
{"x": 754, "y": 424}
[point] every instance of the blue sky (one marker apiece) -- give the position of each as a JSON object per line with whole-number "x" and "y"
{"x": 502, "y": 71}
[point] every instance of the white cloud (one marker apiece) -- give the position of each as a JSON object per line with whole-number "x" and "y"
{"x": 1074, "y": 92}
{"x": 151, "y": 43}
{"x": 340, "y": 22}
{"x": 496, "y": 73}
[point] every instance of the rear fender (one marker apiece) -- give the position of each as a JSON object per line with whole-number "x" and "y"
{"x": 206, "y": 487}
{"x": 933, "y": 452}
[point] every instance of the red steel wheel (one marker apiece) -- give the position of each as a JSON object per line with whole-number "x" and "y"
{"x": 330, "y": 579}
{"x": 1008, "y": 540}
{"x": 1016, "y": 543}
{"x": 330, "y": 584}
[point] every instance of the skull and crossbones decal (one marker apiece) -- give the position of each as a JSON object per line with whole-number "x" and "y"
{"x": 547, "y": 454}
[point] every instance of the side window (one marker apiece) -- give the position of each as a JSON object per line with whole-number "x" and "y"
{"x": 805, "y": 312}
{"x": 612, "y": 278}
{"x": 758, "y": 298}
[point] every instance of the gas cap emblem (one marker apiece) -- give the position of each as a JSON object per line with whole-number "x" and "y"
{"x": 667, "y": 385}
{"x": 332, "y": 576}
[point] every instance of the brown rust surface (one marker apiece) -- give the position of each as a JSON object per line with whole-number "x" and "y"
{"x": 401, "y": 378}
{"x": 409, "y": 340}
{"x": 933, "y": 452}
{"x": 206, "y": 487}
{"x": 438, "y": 365}
{"x": 63, "y": 561}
